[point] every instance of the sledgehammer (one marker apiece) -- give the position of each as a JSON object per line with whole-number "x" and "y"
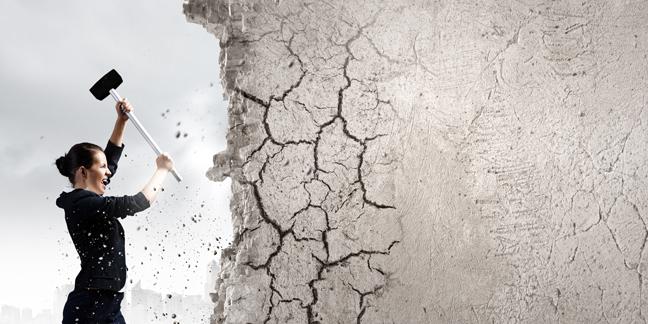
{"x": 106, "y": 86}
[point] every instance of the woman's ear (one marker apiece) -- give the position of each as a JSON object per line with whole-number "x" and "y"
{"x": 83, "y": 173}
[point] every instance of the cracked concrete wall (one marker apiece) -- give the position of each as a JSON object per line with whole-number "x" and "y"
{"x": 467, "y": 161}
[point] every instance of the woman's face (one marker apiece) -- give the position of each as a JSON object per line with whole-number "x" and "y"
{"x": 97, "y": 174}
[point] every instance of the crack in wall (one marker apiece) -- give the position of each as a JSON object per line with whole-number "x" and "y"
{"x": 282, "y": 233}
{"x": 432, "y": 162}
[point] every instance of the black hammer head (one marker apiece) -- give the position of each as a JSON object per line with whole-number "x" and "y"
{"x": 101, "y": 89}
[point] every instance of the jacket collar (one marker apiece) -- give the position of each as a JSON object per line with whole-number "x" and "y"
{"x": 70, "y": 189}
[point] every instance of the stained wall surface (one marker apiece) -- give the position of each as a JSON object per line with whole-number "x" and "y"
{"x": 467, "y": 161}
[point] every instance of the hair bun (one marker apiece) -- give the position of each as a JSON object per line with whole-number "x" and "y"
{"x": 60, "y": 164}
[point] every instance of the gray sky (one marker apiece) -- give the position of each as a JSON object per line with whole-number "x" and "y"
{"x": 52, "y": 53}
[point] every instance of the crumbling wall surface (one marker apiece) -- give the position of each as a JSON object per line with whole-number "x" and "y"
{"x": 473, "y": 161}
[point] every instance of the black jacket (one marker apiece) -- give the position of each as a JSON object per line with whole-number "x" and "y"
{"x": 92, "y": 221}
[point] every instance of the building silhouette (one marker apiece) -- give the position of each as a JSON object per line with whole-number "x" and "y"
{"x": 60, "y": 297}
{"x": 139, "y": 305}
{"x": 213, "y": 269}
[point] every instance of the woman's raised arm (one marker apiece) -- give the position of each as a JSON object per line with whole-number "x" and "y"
{"x": 122, "y": 107}
{"x": 164, "y": 166}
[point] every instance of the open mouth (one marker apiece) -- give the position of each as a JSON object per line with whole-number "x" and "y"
{"x": 105, "y": 182}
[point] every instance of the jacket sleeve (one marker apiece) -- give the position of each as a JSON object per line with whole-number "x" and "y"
{"x": 113, "y": 153}
{"x": 116, "y": 207}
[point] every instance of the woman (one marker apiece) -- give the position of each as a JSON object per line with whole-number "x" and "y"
{"x": 92, "y": 220}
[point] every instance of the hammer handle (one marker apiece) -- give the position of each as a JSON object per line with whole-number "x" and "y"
{"x": 144, "y": 133}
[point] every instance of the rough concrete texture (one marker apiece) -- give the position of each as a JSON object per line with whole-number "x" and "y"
{"x": 441, "y": 161}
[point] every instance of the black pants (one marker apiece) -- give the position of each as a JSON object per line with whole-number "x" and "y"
{"x": 85, "y": 306}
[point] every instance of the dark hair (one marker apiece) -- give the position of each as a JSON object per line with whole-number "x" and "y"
{"x": 80, "y": 155}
